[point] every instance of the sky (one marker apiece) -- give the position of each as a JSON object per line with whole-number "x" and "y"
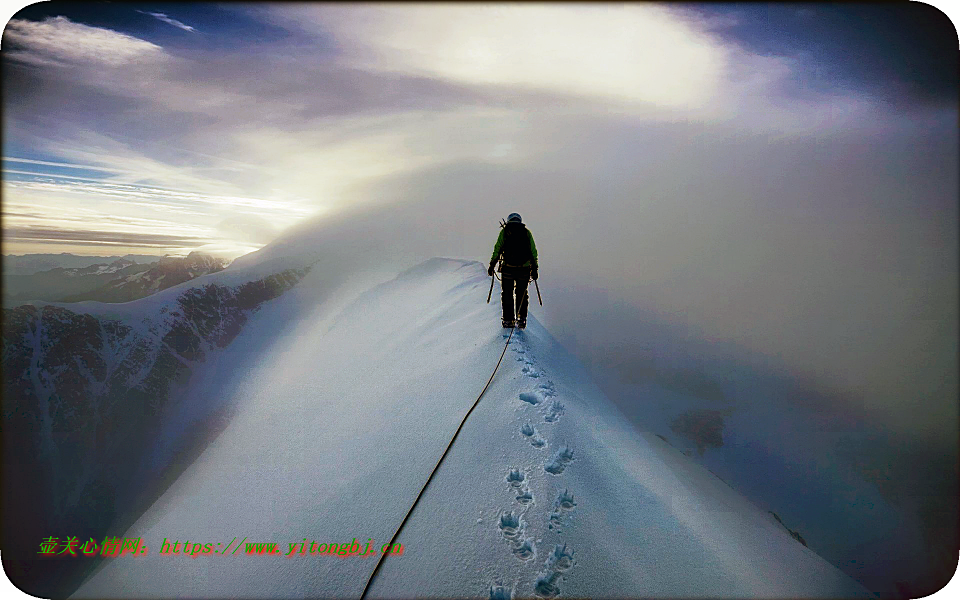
{"x": 776, "y": 180}
{"x": 166, "y": 128}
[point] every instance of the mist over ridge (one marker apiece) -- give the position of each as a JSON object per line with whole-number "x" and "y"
{"x": 745, "y": 246}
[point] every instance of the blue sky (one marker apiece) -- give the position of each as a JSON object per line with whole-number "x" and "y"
{"x": 902, "y": 53}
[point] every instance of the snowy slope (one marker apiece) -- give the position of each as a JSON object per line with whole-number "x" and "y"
{"x": 94, "y": 419}
{"x": 338, "y": 426}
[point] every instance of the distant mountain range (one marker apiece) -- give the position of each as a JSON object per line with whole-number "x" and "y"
{"x": 120, "y": 280}
{"x": 27, "y": 264}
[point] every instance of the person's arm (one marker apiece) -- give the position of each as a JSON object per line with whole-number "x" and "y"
{"x": 496, "y": 248}
{"x": 496, "y": 253}
{"x": 534, "y": 266}
{"x": 533, "y": 249}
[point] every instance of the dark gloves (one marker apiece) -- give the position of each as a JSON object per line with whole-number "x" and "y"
{"x": 533, "y": 273}
{"x": 490, "y": 270}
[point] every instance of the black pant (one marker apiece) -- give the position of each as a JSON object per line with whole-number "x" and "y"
{"x": 514, "y": 282}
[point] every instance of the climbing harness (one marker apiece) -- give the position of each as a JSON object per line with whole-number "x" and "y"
{"x": 444, "y": 455}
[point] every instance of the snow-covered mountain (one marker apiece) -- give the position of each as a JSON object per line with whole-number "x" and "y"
{"x": 58, "y": 283}
{"x": 119, "y": 281}
{"x": 99, "y": 269}
{"x": 27, "y": 264}
{"x": 89, "y": 391}
{"x": 547, "y": 492}
{"x": 167, "y": 272}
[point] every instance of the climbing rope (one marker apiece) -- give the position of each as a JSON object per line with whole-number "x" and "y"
{"x": 444, "y": 455}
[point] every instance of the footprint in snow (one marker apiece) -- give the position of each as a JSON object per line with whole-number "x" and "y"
{"x": 515, "y": 478}
{"x": 547, "y": 585}
{"x": 561, "y": 459}
{"x": 525, "y": 497}
{"x": 561, "y": 559}
{"x": 547, "y": 389}
{"x": 553, "y": 415}
{"x": 526, "y": 550}
{"x": 565, "y": 500}
{"x": 512, "y": 528}
{"x": 564, "y": 503}
{"x": 535, "y": 440}
{"x": 530, "y": 398}
{"x": 548, "y": 581}
{"x": 530, "y": 372}
{"x": 554, "y": 521}
{"x": 500, "y": 592}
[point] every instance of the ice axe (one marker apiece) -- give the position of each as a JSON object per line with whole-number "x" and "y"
{"x": 535, "y": 284}
{"x": 492, "y": 277}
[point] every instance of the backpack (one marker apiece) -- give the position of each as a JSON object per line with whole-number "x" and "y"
{"x": 515, "y": 250}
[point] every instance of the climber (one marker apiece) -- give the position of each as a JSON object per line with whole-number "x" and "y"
{"x": 517, "y": 253}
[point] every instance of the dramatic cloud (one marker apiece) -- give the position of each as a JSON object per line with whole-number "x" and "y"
{"x": 59, "y": 41}
{"x": 656, "y": 62}
{"x": 638, "y": 53}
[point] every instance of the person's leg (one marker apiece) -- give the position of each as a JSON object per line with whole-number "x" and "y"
{"x": 506, "y": 297}
{"x": 523, "y": 298}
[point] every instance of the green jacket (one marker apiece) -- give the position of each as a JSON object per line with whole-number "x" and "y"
{"x": 533, "y": 250}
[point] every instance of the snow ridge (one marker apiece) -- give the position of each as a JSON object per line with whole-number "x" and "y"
{"x": 348, "y": 418}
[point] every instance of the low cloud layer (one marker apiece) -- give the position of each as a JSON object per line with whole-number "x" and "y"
{"x": 92, "y": 237}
